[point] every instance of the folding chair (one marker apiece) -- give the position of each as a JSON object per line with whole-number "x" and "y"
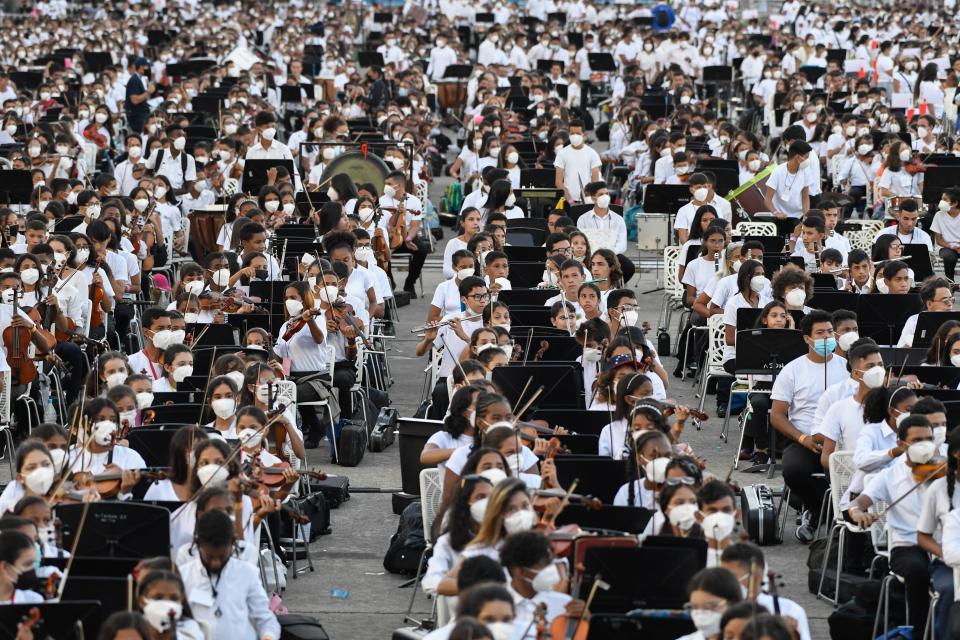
{"x": 431, "y": 498}
{"x": 842, "y": 470}
{"x": 672, "y": 289}
{"x": 331, "y": 357}
{"x": 713, "y": 365}
{"x": 755, "y": 228}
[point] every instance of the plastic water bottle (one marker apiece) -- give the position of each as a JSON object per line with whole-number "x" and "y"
{"x": 338, "y": 593}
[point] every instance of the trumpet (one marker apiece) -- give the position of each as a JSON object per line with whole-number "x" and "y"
{"x": 442, "y": 323}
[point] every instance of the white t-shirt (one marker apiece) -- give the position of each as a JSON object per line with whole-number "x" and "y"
{"x": 443, "y": 440}
{"x": 946, "y": 226}
{"x": 698, "y": 273}
{"x": 578, "y": 166}
{"x": 800, "y": 384}
{"x": 446, "y": 297}
{"x": 936, "y": 506}
{"x": 788, "y": 190}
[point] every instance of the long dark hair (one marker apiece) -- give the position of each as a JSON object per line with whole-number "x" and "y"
{"x": 232, "y": 467}
{"x": 695, "y": 231}
{"x": 183, "y": 441}
{"x": 935, "y": 351}
{"x": 455, "y": 423}
{"x": 745, "y": 274}
{"x": 666, "y": 494}
{"x": 879, "y": 401}
{"x": 460, "y": 524}
{"x": 165, "y": 576}
{"x": 953, "y": 447}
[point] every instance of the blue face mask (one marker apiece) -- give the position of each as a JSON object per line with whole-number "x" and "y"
{"x": 825, "y": 346}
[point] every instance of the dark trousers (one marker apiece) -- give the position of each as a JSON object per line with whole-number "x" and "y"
{"x": 72, "y": 357}
{"x": 627, "y": 267}
{"x": 416, "y": 264}
{"x": 344, "y": 375}
{"x": 439, "y": 400}
{"x": 913, "y": 565}
{"x": 942, "y": 578}
{"x": 799, "y": 466}
{"x": 949, "y": 257}
{"x": 312, "y": 423}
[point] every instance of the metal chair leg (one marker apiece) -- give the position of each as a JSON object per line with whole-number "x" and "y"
{"x": 823, "y": 569}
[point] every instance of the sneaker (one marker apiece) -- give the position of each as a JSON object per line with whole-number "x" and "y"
{"x": 311, "y": 444}
{"x": 805, "y": 532}
{"x": 721, "y": 411}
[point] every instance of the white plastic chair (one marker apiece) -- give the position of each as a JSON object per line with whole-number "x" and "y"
{"x": 713, "y": 365}
{"x": 431, "y": 498}
{"x": 842, "y": 470}
{"x": 331, "y": 356}
{"x": 755, "y": 228}
{"x": 672, "y": 288}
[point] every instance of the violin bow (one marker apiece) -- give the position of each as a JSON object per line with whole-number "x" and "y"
{"x": 919, "y": 484}
{"x": 206, "y": 387}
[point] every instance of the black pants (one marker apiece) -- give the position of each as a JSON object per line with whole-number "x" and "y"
{"x": 949, "y": 257}
{"x": 72, "y": 357}
{"x": 440, "y": 400}
{"x": 913, "y": 565}
{"x": 313, "y": 426}
{"x": 344, "y": 375}
{"x": 799, "y": 466}
{"x": 627, "y": 267}
{"x": 416, "y": 264}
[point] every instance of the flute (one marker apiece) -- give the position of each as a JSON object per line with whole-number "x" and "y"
{"x": 442, "y": 323}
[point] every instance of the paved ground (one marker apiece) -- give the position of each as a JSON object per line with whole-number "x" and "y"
{"x": 351, "y": 557}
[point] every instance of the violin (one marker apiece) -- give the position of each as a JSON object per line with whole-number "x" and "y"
{"x": 250, "y": 488}
{"x": 396, "y": 226}
{"x": 932, "y": 470}
{"x": 380, "y": 248}
{"x": 272, "y": 477}
{"x": 589, "y": 502}
{"x": 30, "y": 621}
{"x": 16, "y": 340}
{"x": 96, "y": 298}
{"x": 215, "y": 301}
{"x": 342, "y": 314}
{"x": 299, "y": 323}
{"x": 108, "y": 483}
{"x": 671, "y": 407}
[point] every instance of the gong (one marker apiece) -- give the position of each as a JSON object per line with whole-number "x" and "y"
{"x": 371, "y": 169}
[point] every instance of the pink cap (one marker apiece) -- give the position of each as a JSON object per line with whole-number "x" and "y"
{"x": 160, "y": 282}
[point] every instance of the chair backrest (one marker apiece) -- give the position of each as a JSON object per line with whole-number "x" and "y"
{"x": 86, "y": 309}
{"x": 331, "y": 355}
{"x": 716, "y": 341}
{"x": 842, "y": 469}
{"x": 431, "y": 496}
{"x": 433, "y": 368}
{"x": 287, "y": 393}
{"x": 671, "y": 263}
{"x": 7, "y": 390}
{"x": 755, "y": 228}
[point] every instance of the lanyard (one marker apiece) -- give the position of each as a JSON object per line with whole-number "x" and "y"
{"x": 150, "y": 362}
{"x": 213, "y": 589}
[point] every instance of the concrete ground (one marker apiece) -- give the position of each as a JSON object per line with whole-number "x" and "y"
{"x": 351, "y": 558}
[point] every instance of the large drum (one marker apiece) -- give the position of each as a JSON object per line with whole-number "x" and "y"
{"x": 451, "y": 95}
{"x": 750, "y": 197}
{"x": 205, "y": 224}
{"x": 653, "y": 231}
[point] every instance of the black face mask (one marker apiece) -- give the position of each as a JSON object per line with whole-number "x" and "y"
{"x": 260, "y": 274}
{"x": 29, "y": 581}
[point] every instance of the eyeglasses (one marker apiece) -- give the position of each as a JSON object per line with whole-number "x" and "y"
{"x": 718, "y": 606}
{"x": 565, "y": 251}
{"x": 480, "y": 296}
{"x": 673, "y": 482}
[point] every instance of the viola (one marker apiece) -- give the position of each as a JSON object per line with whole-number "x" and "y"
{"x": 108, "y": 483}
{"x": 380, "y": 248}
{"x": 397, "y": 226}
{"x": 16, "y": 340}
{"x": 96, "y": 298}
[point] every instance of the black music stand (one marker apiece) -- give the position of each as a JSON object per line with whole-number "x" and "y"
{"x": 533, "y": 316}
{"x": 936, "y": 179}
{"x": 116, "y": 529}
{"x": 824, "y": 281}
{"x": 111, "y": 592}
{"x": 527, "y": 274}
{"x": 412, "y": 434}
{"x": 882, "y": 316}
{"x": 153, "y": 443}
{"x": 639, "y": 625}
{"x": 530, "y": 341}
{"x": 369, "y": 59}
{"x": 562, "y": 385}
{"x": 255, "y": 173}
{"x": 598, "y": 477}
{"x": 268, "y": 290}
{"x": 619, "y": 567}
{"x": 766, "y": 352}
{"x": 173, "y": 397}
{"x": 919, "y": 261}
{"x": 947, "y": 376}
{"x": 177, "y": 413}
{"x": 896, "y": 357}
{"x": 76, "y": 620}
{"x": 580, "y": 444}
{"x": 927, "y": 324}
{"x": 210, "y": 335}
{"x": 631, "y": 520}
{"x": 525, "y": 297}
{"x": 16, "y": 186}
{"x": 525, "y": 254}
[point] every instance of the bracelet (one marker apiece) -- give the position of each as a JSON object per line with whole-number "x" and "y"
{"x": 802, "y": 438}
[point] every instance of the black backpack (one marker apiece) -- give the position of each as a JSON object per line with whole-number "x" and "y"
{"x": 407, "y": 544}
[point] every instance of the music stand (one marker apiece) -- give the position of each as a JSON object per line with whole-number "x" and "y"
{"x": 919, "y": 260}
{"x": 666, "y": 199}
{"x": 673, "y": 565}
{"x": 558, "y": 348}
{"x": 639, "y": 624}
{"x": 268, "y": 289}
{"x": 527, "y": 274}
{"x": 537, "y": 178}
{"x": 936, "y": 179}
{"x": 607, "y": 518}
{"x": 896, "y": 357}
{"x": 16, "y": 186}
{"x": 602, "y": 62}
{"x": 255, "y": 173}
{"x": 562, "y": 384}
{"x": 538, "y": 316}
{"x": 580, "y": 444}
{"x": 882, "y": 316}
{"x": 111, "y": 592}
{"x": 580, "y": 421}
{"x": 599, "y": 477}
{"x": 928, "y": 322}
{"x": 525, "y": 297}
{"x": 209, "y": 335}
{"x": 824, "y": 281}
{"x": 177, "y": 413}
{"x": 116, "y": 529}
{"x": 412, "y": 434}
{"x": 76, "y": 620}
{"x": 947, "y": 376}
{"x": 525, "y": 254}
{"x": 153, "y": 443}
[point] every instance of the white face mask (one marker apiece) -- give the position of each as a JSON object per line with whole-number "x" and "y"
{"x": 513, "y": 157}
{"x": 268, "y": 134}
{"x": 591, "y": 355}
{"x": 753, "y": 165}
{"x": 39, "y": 480}
{"x": 182, "y": 373}
{"x": 701, "y": 194}
{"x": 364, "y": 255}
{"x": 463, "y": 274}
{"x": 288, "y": 208}
{"x": 510, "y": 201}
{"x": 59, "y": 457}
{"x": 494, "y": 475}
{"x": 864, "y": 149}
{"x": 263, "y": 392}
{"x": 251, "y": 438}
{"x": 144, "y": 399}
{"x": 159, "y": 613}
{"x": 330, "y": 294}
{"x": 939, "y": 435}
{"x": 213, "y": 475}
{"x": 846, "y": 340}
{"x": 718, "y": 526}
{"x": 101, "y": 117}
{"x": 141, "y": 204}
{"x": 194, "y": 287}
{"x": 943, "y": 205}
{"x": 522, "y": 520}
{"x": 478, "y": 509}
{"x": 656, "y": 470}
{"x": 11, "y": 129}
{"x": 159, "y": 192}
{"x": 134, "y": 152}
{"x": 366, "y": 214}
{"x": 294, "y": 307}
{"x": 546, "y": 579}
{"x": 332, "y": 194}
{"x": 271, "y": 206}
{"x": 179, "y": 144}
{"x": 630, "y": 318}
{"x": 177, "y": 336}
{"x": 921, "y": 452}
{"x": 237, "y": 377}
{"x": 162, "y": 339}
{"x": 221, "y": 277}
{"x": 603, "y": 201}
{"x": 576, "y": 139}
{"x": 30, "y": 276}
{"x": 500, "y": 630}
{"x": 683, "y": 515}
{"x": 103, "y": 432}
{"x": 223, "y": 407}
{"x": 389, "y": 191}
{"x": 796, "y": 297}
{"x": 116, "y": 378}
{"x": 707, "y": 622}
{"x": 758, "y": 283}
{"x": 874, "y": 377}
{"x": 905, "y": 155}
{"x": 128, "y": 418}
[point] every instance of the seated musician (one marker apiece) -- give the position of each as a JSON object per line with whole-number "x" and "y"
{"x": 589, "y": 299}
{"x": 793, "y": 287}
{"x": 714, "y": 296}
{"x": 490, "y": 409}
{"x": 34, "y": 475}
{"x": 493, "y": 357}
{"x": 126, "y": 400}
{"x": 652, "y": 455}
{"x": 302, "y": 339}
{"x": 222, "y": 393}
{"x": 702, "y": 194}
{"x": 907, "y": 230}
{"x": 536, "y": 578}
{"x": 496, "y": 271}
{"x": 936, "y": 293}
{"x": 886, "y": 250}
{"x": 746, "y": 562}
{"x": 409, "y": 212}
{"x": 572, "y": 275}
{"x": 946, "y": 230}
{"x": 36, "y": 509}
{"x": 111, "y": 370}
{"x": 176, "y": 486}
{"x": 630, "y": 390}
{"x": 454, "y": 336}
{"x": 752, "y": 292}
{"x": 218, "y": 499}
{"x": 177, "y": 363}
{"x": 363, "y": 253}
{"x": 859, "y": 272}
{"x": 486, "y": 607}
{"x": 893, "y": 486}
{"x": 462, "y": 521}
{"x": 809, "y": 244}
{"x": 593, "y": 336}
{"x": 895, "y": 180}
{"x": 260, "y": 390}
{"x": 446, "y": 297}
{"x": 830, "y": 207}
{"x": 156, "y": 331}
{"x": 796, "y": 391}
{"x": 605, "y": 268}
{"x": 225, "y": 592}
{"x": 359, "y": 282}
{"x": 97, "y": 449}
{"x": 162, "y": 596}
{"x": 19, "y": 583}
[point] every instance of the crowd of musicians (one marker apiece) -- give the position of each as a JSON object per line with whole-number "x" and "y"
{"x": 123, "y": 124}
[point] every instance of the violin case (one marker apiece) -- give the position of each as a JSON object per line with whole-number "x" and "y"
{"x": 296, "y": 626}
{"x": 384, "y": 430}
{"x": 759, "y": 513}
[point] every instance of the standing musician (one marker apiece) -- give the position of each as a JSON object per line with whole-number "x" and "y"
{"x": 406, "y": 214}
